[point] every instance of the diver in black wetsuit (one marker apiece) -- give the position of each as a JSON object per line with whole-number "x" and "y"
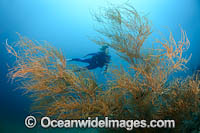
{"x": 99, "y": 59}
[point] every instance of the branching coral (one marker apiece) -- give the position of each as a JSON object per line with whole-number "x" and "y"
{"x": 147, "y": 84}
{"x": 125, "y": 30}
{"x": 144, "y": 91}
{"x": 57, "y": 91}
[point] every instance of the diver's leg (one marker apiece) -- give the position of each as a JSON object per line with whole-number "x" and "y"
{"x": 81, "y": 60}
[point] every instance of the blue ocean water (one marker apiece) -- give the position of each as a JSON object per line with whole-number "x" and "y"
{"x": 67, "y": 24}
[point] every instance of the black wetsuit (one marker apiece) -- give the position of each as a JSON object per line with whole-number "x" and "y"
{"x": 99, "y": 59}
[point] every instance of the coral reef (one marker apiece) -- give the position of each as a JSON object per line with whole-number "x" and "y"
{"x": 144, "y": 91}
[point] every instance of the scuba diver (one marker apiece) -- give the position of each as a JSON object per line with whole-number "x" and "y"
{"x": 99, "y": 59}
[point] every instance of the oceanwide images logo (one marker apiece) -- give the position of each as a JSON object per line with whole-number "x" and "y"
{"x": 46, "y": 122}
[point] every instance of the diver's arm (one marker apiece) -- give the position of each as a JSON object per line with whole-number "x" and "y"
{"x": 108, "y": 57}
{"x": 106, "y": 68}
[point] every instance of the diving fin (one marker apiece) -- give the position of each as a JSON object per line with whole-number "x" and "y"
{"x": 68, "y": 59}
